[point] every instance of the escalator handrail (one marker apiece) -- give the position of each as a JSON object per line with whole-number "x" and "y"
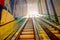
{"x": 15, "y": 37}
{"x": 36, "y": 31}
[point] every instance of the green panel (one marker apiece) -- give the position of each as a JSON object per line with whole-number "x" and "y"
{"x": 20, "y": 23}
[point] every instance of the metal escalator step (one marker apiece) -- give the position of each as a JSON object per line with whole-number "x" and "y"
{"x": 44, "y": 37}
{"x": 58, "y": 35}
{"x": 26, "y": 39}
{"x": 26, "y": 36}
{"x": 27, "y": 33}
{"x": 28, "y": 27}
{"x": 42, "y": 32}
{"x": 55, "y": 32}
{"x": 28, "y": 30}
{"x": 51, "y": 29}
{"x": 40, "y": 29}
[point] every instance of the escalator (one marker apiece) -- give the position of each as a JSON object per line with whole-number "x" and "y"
{"x": 52, "y": 32}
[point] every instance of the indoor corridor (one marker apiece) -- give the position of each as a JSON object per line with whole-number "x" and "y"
{"x": 29, "y": 19}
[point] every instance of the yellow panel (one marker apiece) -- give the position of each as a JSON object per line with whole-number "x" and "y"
{"x": 8, "y": 29}
{"x": 6, "y": 17}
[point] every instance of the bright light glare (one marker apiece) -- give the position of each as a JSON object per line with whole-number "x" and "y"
{"x": 32, "y": 10}
{"x": 33, "y": 14}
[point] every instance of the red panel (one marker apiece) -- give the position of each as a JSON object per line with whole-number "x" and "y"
{"x": 2, "y": 2}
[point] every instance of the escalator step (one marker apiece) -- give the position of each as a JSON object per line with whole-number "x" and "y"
{"x": 55, "y": 32}
{"x": 25, "y": 30}
{"x": 58, "y": 35}
{"x": 51, "y": 29}
{"x": 28, "y": 28}
{"x": 26, "y": 39}
{"x": 42, "y": 32}
{"x": 44, "y": 36}
{"x": 27, "y": 33}
{"x": 26, "y": 36}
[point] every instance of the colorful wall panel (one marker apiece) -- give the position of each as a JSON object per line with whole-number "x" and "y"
{"x": 12, "y": 5}
{"x": 6, "y": 13}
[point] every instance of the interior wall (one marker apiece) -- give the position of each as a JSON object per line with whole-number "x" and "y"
{"x": 21, "y": 9}
{"x": 57, "y": 8}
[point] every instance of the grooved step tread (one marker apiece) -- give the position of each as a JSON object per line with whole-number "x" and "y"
{"x": 55, "y": 32}
{"x": 27, "y": 33}
{"x": 51, "y": 29}
{"x": 28, "y": 27}
{"x": 26, "y": 39}
{"x": 42, "y": 32}
{"x": 58, "y": 35}
{"x": 28, "y": 30}
{"x": 43, "y": 36}
{"x": 26, "y": 36}
{"x": 40, "y": 29}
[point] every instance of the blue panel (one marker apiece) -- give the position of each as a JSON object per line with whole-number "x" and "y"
{"x": 12, "y": 5}
{"x": 5, "y": 8}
